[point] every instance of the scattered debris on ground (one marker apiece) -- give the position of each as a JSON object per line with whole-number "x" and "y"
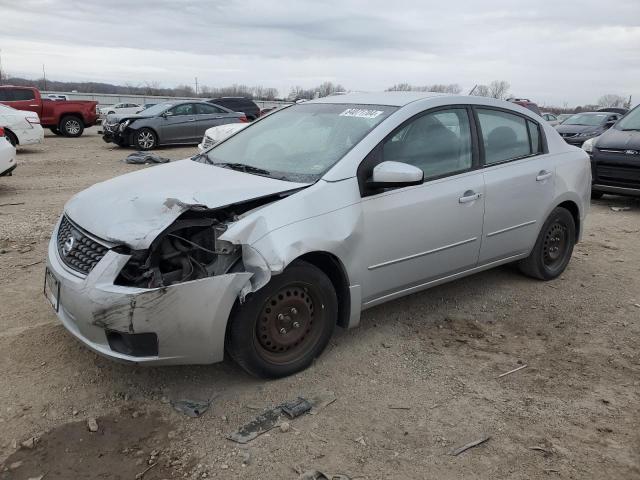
{"x": 457, "y": 451}
{"x": 191, "y": 408}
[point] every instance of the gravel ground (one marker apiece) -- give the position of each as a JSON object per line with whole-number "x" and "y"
{"x": 419, "y": 378}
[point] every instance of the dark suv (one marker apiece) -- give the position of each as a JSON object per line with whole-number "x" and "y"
{"x": 615, "y": 158}
{"x": 239, "y": 104}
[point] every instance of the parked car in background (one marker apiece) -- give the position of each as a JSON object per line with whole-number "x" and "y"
{"x": 21, "y": 127}
{"x": 526, "y": 103}
{"x": 120, "y": 108}
{"x": 563, "y": 116}
{"x": 621, "y": 111}
{"x": 582, "y": 126}
{"x": 216, "y": 134}
{"x": 238, "y": 104}
{"x": 615, "y": 158}
{"x": 551, "y": 119}
{"x": 169, "y": 123}
{"x": 263, "y": 244}
{"x": 62, "y": 117}
{"x": 7, "y": 155}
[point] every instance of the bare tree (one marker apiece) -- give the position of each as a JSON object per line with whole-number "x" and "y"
{"x": 611, "y": 100}
{"x": 441, "y": 88}
{"x": 499, "y": 89}
{"x": 481, "y": 91}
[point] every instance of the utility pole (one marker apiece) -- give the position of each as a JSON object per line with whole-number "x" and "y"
{"x": 196, "y": 86}
{"x": 1, "y": 74}
{"x": 44, "y": 76}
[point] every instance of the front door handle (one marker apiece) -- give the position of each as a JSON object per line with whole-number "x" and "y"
{"x": 469, "y": 196}
{"x": 543, "y": 175}
{"x": 192, "y": 120}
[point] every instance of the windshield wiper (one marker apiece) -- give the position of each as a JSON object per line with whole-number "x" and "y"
{"x": 243, "y": 168}
{"x": 200, "y": 155}
{"x": 631, "y": 129}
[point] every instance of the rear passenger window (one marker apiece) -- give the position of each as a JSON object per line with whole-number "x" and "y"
{"x": 20, "y": 94}
{"x": 506, "y": 136}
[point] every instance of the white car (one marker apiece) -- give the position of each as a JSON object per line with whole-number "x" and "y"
{"x": 7, "y": 155}
{"x": 56, "y": 96}
{"x": 21, "y": 127}
{"x": 551, "y": 119}
{"x": 218, "y": 133}
{"x": 120, "y": 108}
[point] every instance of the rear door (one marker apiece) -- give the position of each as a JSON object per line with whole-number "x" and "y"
{"x": 180, "y": 125}
{"x": 208, "y": 116}
{"x": 519, "y": 181}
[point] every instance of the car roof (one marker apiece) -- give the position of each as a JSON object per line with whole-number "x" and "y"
{"x": 394, "y": 99}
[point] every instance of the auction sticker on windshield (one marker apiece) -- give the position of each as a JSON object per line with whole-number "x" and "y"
{"x": 51, "y": 289}
{"x": 361, "y": 113}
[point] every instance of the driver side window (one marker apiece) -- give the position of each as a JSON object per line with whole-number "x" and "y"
{"x": 439, "y": 143}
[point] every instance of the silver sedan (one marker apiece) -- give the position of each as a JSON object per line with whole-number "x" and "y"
{"x": 264, "y": 243}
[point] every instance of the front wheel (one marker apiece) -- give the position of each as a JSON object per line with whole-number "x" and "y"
{"x": 145, "y": 139}
{"x": 71, "y": 126}
{"x": 554, "y": 246}
{"x": 55, "y": 131}
{"x": 282, "y": 327}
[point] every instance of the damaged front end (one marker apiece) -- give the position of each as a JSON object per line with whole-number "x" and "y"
{"x": 190, "y": 249}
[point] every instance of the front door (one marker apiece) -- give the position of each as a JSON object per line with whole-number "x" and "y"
{"x": 519, "y": 180}
{"x": 421, "y": 233}
{"x": 207, "y": 116}
{"x": 179, "y": 125}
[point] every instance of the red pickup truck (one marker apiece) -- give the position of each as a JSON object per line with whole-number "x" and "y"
{"x": 62, "y": 117}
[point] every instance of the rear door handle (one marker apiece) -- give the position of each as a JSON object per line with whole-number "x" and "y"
{"x": 192, "y": 120}
{"x": 543, "y": 175}
{"x": 469, "y": 196}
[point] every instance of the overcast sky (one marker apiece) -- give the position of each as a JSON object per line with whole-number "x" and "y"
{"x": 552, "y": 51}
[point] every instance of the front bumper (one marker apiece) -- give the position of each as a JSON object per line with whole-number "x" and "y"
{"x": 31, "y": 136}
{"x": 188, "y": 319}
{"x": 615, "y": 172}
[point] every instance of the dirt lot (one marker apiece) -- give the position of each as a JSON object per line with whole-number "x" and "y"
{"x": 417, "y": 379}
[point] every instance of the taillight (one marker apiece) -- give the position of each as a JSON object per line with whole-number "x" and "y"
{"x": 1, "y": 132}
{"x": 244, "y": 119}
{"x": 33, "y": 120}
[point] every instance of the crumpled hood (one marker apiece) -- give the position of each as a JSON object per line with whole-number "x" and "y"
{"x": 618, "y": 139}
{"x": 134, "y": 208}
{"x": 562, "y": 128}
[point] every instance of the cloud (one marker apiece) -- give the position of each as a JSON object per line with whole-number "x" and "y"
{"x": 551, "y": 51}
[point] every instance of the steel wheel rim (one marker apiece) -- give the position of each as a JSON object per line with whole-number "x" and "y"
{"x": 73, "y": 127}
{"x": 145, "y": 139}
{"x": 556, "y": 243}
{"x": 290, "y": 324}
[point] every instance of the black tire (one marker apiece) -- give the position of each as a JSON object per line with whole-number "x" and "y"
{"x": 595, "y": 195}
{"x": 71, "y": 126}
{"x": 13, "y": 140}
{"x": 145, "y": 139}
{"x": 554, "y": 246}
{"x": 55, "y": 131}
{"x": 263, "y": 337}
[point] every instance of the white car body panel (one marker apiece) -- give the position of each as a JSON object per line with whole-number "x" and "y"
{"x": 218, "y": 133}
{"x": 383, "y": 250}
{"x": 7, "y": 157}
{"x": 120, "y": 109}
{"x": 16, "y": 121}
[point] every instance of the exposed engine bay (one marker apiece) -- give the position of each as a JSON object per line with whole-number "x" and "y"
{"x": 189, "y": 249}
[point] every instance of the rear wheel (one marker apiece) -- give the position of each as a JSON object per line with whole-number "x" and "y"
{"x": 13, "y": 140}
{"x": 71, "y": 126}
{"x": 145, "y": 139}
{"x": 282, "y": 327}
{"x": 554, "y": 246}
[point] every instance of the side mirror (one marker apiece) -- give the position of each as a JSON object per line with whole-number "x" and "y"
{"x": 610, "y": 124}
{"x": 167, "y": 114}
{"x": 395, "y": 174}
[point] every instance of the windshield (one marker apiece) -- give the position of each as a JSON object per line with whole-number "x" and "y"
{"x": 157, "y": 109}
{"x": 587, "y": 119}
{"x": 299, "y": 143}
{"x": 631, "y": 121}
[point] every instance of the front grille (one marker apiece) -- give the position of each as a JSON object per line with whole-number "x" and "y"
{"x": 207, "y": 142}
{"x": 618, "y": 175}
{"x": 77, "y": 250}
